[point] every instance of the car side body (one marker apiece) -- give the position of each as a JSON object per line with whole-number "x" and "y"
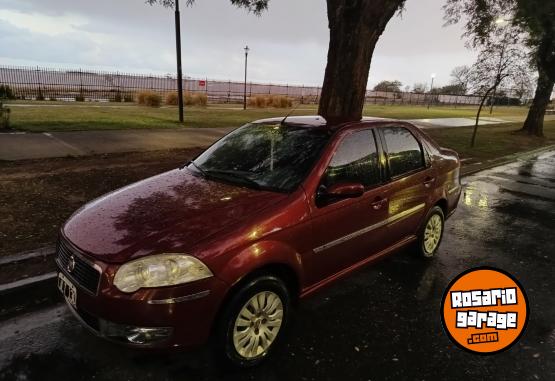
{"x": 238, "y": 232}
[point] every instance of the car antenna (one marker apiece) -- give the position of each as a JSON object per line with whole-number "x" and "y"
{"x": 290, "y": 112}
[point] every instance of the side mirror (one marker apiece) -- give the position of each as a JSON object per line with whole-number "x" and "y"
{"x": 345, "y": 190}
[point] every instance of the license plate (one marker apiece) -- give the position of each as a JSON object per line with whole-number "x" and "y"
{"x": 68, "y": 290}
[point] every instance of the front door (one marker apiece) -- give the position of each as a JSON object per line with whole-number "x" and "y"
{"x": 349, "y": 230}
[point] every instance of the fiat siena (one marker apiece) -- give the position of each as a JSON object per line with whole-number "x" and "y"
{"x": 221, "y": 247}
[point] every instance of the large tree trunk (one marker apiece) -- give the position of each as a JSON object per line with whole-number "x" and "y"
{"x": 355, "y": 27}
{"x": 534, "y": 121}
{"x": 545, "y": 57}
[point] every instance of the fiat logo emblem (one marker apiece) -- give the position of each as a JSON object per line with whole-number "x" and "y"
{"x": 71, "y": 264}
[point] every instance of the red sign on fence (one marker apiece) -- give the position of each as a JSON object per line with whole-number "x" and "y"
{"x": 202, "y": 83}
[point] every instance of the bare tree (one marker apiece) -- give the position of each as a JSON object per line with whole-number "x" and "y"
{"x": 460, "y": 77}
{"x": 523, "y": 87}
{"x": 536, "y": 20}
{"x": 502, "y": 59}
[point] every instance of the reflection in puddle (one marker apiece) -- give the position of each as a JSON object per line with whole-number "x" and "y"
{"x": 477, "y": 194}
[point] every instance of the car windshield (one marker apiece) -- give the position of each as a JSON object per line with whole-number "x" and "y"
{"x": 263, "y": 156}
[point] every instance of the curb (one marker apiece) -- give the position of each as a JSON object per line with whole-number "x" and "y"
{"x": 28, "y": 294}
{"x": 26, "y": 255}
{"x": 35, "y": 292}
{"x": 503, "y": 160}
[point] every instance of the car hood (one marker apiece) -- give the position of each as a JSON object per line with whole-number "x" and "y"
{"x": 170, "y": 212}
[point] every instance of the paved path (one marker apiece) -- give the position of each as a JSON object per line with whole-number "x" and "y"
{"x": 381, "y": 323}
{"x": 19, "y": 146}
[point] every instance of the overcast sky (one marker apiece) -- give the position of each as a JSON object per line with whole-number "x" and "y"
{"x": 288, "y": 43}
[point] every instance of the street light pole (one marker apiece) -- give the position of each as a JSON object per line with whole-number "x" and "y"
{"x": 179, "y": 69}
{"x": 245, "y": 88}
{"x": 431, "y": 90}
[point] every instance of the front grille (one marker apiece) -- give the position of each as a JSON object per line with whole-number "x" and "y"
{"x": 82, "y": 273}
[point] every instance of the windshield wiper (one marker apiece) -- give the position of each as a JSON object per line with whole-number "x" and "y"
{"x": 217, "y": 173}
{"x": 198, "y": 168}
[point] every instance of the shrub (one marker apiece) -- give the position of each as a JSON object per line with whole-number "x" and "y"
{"x": 141, "y": 95}
{"x": 189, "y": 99}
{"x": 6, "y": 92}
{"x": 80, "y": 98}
{"x": 171, "y": 99}
{"x": 200, "y": 99}
{"x": 149, "y": 98}
{"x": 259, "y": 101}
{"x": 4, "y": 117}
{"x": 128, "y": 98}
{"x": 278, "y": 101}
{"x": 153, "y": 100}
{"x": 117, "y": 97}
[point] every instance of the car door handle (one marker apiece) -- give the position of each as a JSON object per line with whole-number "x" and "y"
{"x": 378, "y": 203}
{"x": 429, "y": 181}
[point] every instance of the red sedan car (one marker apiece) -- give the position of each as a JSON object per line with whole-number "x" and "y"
{"x": 267, "y": 215}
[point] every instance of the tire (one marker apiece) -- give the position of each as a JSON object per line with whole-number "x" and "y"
{"x": 429, "y": 237}
{"x": 238, "y": 334}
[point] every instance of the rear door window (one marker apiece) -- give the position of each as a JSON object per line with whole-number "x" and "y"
{"x": 404, "y": 153}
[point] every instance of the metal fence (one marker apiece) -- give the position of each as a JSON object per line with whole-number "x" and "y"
{"x": 85, "y": 85}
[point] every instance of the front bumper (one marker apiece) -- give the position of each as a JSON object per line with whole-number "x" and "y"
{"x": 160, "y": 318}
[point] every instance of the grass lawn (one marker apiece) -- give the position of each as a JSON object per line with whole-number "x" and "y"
{"x": 492, "y": 141}
{"x": 57, "y": 116}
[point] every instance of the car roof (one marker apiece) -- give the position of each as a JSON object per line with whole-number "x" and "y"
{"x": 318, "y": 121}
{"x": 307, "y": 120}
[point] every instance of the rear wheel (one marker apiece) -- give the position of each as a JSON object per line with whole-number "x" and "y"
{"x": 253, "y": 321}
{"x": 431, "y": 233}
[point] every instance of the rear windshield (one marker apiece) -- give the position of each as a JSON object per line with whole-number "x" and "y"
{"x": 265, "y": 156}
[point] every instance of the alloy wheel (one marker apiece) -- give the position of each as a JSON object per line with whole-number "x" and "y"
{"x": 432, "y": 234}
{"x": 258, "y": 324}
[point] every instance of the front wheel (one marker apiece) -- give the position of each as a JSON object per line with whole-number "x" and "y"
{"x": 431, "y": 233}
{"x": 253, "y": 321}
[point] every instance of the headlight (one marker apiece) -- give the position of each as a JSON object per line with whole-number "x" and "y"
{"x": 160, "y": 270}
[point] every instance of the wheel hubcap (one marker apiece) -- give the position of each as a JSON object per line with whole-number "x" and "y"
{"x": 258, "y": 324}
{"x": 432, "y": 234}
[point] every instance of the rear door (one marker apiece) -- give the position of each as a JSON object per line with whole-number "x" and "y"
{"x": 348, "y": 230}
{"x": 411, "y": 181}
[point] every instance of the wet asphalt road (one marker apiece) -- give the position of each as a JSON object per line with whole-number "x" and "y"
{"x": 381, "y": 323}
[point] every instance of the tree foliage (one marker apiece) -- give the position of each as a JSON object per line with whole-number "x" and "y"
{"x": 535, "y": 19}
{"x": 419, "y": 88}
{"x": 453, "y": 89}
{"x": 391, "y": 86}
{"x": 255, "y": 6}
